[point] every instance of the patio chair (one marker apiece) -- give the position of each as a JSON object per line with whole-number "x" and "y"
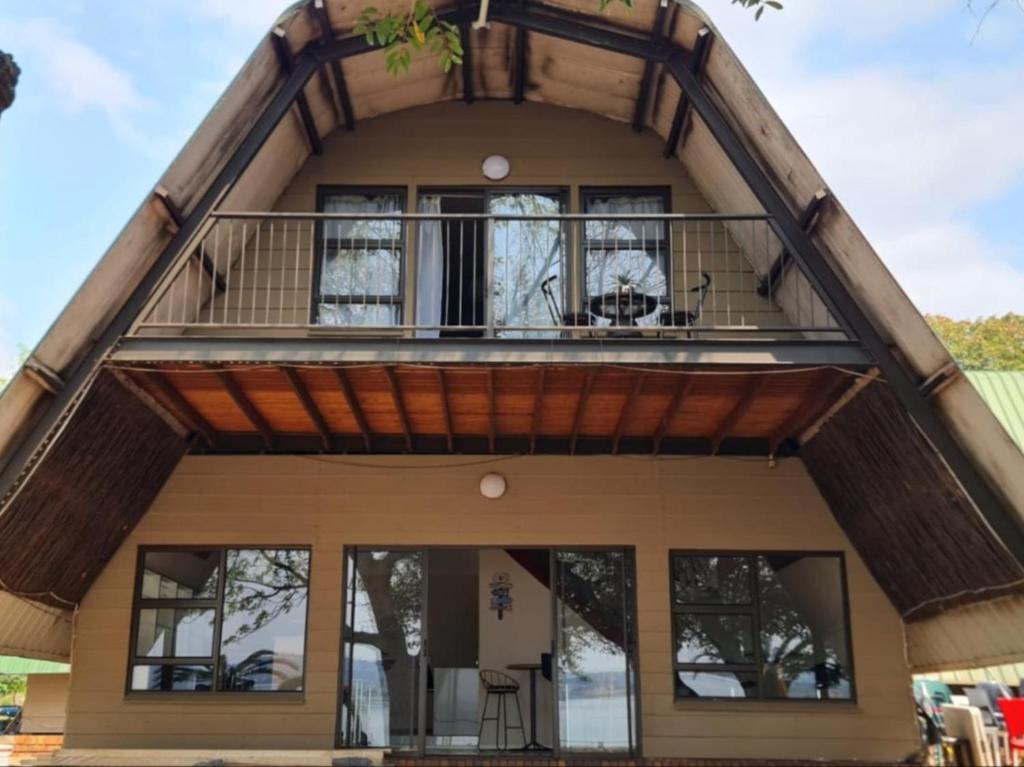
{"x": 689, "y": 318}
{"x": 500, "y": 686}
{"x": 965, "y": 723}
{"x": 980, "y": 699}
{"x": 1013, "y": 716}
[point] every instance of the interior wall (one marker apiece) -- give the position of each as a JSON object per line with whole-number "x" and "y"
{"x": 522, "y": 634}
{"x": 653, "y": 505}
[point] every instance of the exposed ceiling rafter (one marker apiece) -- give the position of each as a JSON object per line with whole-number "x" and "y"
{"x": 643, "y": 96}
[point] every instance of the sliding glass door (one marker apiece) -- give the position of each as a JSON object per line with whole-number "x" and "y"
{"x": 382, "y": 649}
{"x": 595, "y": 650}
{"x": 421, "y": 624}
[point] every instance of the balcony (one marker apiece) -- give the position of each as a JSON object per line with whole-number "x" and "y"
{"x": 495, "y": 276}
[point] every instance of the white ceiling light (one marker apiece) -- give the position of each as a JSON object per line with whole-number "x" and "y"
{"x": 496, "y": 167}
{"x": 492, "y": 486}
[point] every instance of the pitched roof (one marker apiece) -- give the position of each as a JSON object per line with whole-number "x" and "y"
{"x": 737, "y": 151}
{"x": 1003, "y": 391}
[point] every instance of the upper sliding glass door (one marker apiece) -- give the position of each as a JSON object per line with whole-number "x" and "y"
{"x": 595, "y": 650}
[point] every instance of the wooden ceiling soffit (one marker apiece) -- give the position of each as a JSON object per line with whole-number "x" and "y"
{"x": 57, "y": 534}
{"x": 904, "y": 512}
{"x": 475, "y": 409}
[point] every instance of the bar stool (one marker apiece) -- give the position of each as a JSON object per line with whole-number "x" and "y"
{"x": 500, "y": 686}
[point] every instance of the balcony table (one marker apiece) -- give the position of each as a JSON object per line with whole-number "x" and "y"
{"x": 533, "y": 668}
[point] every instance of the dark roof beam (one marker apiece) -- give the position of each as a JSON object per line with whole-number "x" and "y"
{"x": 683, "y": 388}
{"x": 396, "y": 396}
{"x": 287, "y": 60}
{"x": 337, "y": 74}
{"x": 740, "y": 409}
{"x": 809, "y": 218}
{"x": 683, "y": 116}
{"x": 643, "y": 96}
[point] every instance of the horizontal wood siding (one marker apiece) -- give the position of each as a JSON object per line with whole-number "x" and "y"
{"x": 328, "y": 503}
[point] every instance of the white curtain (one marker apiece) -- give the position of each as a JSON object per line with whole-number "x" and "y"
{"x": 429, "y": 268}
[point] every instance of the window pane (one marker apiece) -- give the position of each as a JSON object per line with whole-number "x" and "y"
{"x": 175, "y": 633}
{"x": 360, "y": 271}
{"x": 180, "y": 574}
{"x": 383, "y": 203}
{"x": 803, "y": 627}
{"x": 714, "y": 639}
{"x": 172, "y": 678}
{"x": 711, "y": 580}
{"x": 527, "y": 254}
{"x": 264, "y": 623}
{"x": 367, "y": 315}
{"x": 716, "y": 684}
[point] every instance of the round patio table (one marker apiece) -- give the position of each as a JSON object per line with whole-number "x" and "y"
{"x": 623, "y": 306}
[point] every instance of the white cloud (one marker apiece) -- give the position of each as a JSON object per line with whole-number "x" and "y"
{"x": 258, "y": 14}
{"x": 947, "y": 268}
{"x": 910, "y": 151}
{"x": 78, "y": 77}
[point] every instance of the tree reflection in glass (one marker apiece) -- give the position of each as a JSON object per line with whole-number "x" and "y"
{"x": 264, "y": 620}
{"x": 383, "y": 637}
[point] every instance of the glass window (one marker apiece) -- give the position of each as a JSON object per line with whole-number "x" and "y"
{"x": 626, "y": 261}
{"x": 254, "y": 600}
{"x": 768, "y": 626}
{"x": 359, "y": 266}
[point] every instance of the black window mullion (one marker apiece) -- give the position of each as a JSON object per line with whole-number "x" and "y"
{"x": 218, "y": 619}
{"x": 755, "y": 598}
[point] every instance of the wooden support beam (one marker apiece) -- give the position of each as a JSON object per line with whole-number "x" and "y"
{"x": 396, "y": 396}
{"x": 538, "y": 408}
{"x": 248, "y": 409}
{"x": 740, "y": 409}
{"x": 826, "y": 386}
{"x": 337, "y": 74}
{"x": 683, "y": 387}
{"x": 519, "y": 63}
{"x": 808, "y": 219}
{"x": 492, "y": 416}
{"x": 287, "y": 60}
{"x": 177, "y": 218}
{"x": 683, "y": 116}
{"x": 627, "y": 409}
{"x": 446, "y": 411}
{"x": 581, "y": 407}
{"x": 643, "y": 96}
{"x": 180, "y": 406}
{"x": 178, "y": 426}
{"x": 353, "y": 405}
{"x": 309, "y": 405}
{"x": 465, "y": 33}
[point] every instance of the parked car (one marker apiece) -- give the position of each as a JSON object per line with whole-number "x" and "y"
{"x": 10, "y": 719}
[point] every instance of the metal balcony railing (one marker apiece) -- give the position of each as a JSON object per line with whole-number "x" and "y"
{"x": 499, "y": 276}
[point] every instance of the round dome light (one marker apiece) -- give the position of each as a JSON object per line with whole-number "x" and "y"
{"x": 496, "y": 167}
{"x": 492, "y": 486}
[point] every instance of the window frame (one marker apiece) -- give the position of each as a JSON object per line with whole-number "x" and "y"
{"x": 587, "y": 193}
{"x": 753, "y": 609}
{"x": 397, "y": 300}
{"x": 217, "y": 605}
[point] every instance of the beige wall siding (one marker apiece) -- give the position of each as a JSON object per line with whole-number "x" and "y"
{"x": 444, "y": 145}
{"x": 46, "y": 701}
{"x": 654, "y": 505}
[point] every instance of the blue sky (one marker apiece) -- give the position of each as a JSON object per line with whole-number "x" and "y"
{"x": 918, "y": 129}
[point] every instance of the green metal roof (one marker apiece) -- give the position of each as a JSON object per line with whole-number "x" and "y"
{"x": 1004, "y": 393}
{"x": 12, "y": 665}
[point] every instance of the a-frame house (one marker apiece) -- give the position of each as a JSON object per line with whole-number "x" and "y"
{"x": 556, "y": 392}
